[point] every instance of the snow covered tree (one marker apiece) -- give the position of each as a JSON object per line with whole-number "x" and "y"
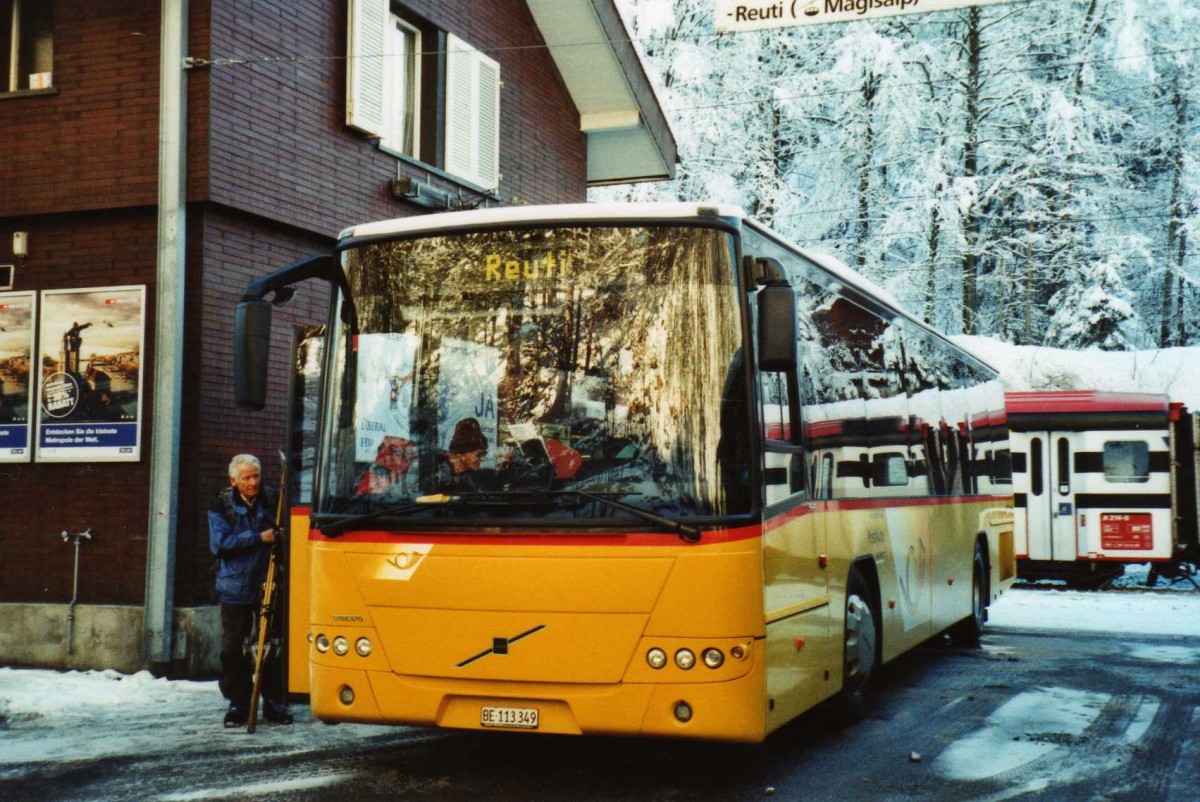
{"x": 1091, "y": 312}
{"x": 979, "y": 163}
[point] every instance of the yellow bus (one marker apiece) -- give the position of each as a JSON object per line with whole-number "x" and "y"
{"x": 642, "y": 469}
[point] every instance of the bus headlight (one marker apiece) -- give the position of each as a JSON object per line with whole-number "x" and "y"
{"x": 363, "y": 647}
{"x": 346, "y": 695}
{"x": 685, "y": 659}
{"x": 341, "y": 646}
{"x": 713, "y": 658}
{"x": 656, "y": 657}
{"x": 322, "y": 643}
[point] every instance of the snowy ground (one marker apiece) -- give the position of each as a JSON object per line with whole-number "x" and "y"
{"x": 48, "y": 716}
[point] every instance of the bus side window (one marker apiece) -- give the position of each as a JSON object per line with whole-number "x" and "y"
{"x": 1035, "y": 466}
{"x": 1002, "y": 467}
{"x": 1126, "y": 461}
{"x": 783, "y": 469}
{"x": 1064, "y": 466}
{"x": 776, "y": 407}
{"x": 889, "y": 470}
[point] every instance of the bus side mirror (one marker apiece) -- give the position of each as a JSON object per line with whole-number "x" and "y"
{"x": 777, "y": 351}
{"x": 251, "y": 346}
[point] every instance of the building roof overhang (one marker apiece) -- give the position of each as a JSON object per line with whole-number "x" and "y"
{"x": 628, "y": 138}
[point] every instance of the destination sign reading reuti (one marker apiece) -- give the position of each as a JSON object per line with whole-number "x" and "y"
{"x": 733, "y": 16}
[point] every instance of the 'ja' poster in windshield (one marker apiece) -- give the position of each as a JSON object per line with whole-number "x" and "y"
{"x": 17, "y": 313}
{"x": 90, "y": 389}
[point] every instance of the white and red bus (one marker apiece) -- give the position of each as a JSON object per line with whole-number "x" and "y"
{"x": 1102, "y": 480}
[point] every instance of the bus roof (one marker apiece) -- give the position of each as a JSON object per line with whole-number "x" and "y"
{"x": 503, "y": 215}
{"x": 1065, "y": 402}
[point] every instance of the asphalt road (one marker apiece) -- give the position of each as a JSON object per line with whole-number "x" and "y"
{"x": 1030, "y": 715}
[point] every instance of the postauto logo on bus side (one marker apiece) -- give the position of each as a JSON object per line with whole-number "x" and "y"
{"x": 501, "y": 267}
{"x": 405, "y": 562}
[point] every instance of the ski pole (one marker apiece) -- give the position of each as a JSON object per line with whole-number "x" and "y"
{"x": 267, "y": 609}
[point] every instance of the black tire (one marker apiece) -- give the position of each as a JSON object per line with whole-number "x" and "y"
{"x": 860, "y": 654}
{"x": 966, "y": 633}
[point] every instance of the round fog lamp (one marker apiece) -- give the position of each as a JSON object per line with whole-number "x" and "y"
{"x": 683, "y": 712}
{"x": 656, "y": 657}
{"x": 363, "y": 647}
{"x": 713, "y": 658}
{"x": 340, "y": 646}
{"x": 346, "y": 695}
{"x": 322, "y": 644}
{"x": 685, "y": 659}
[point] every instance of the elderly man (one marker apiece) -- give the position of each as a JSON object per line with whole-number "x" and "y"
{"x": 241, "y": 531}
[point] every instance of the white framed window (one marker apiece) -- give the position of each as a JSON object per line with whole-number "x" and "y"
{"x": 386, "y": 54}
{"x": 26, "y": 45}
{"x": 402, "y": 74}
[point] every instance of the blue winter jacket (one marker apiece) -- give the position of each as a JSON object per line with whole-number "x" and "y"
{"x": 242, "y": 557}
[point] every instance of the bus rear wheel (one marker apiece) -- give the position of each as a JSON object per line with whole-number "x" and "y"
{"x": 966, "y": 633}
{"x": 861, "y": 645}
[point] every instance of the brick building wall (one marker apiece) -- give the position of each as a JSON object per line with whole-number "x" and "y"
{"x": 279, "y": 144}
{"x": 236, "y": 249}
{"x": 81, "y": 249}
{"x": 273, "y": 174}
{"x": 94, "y": 143}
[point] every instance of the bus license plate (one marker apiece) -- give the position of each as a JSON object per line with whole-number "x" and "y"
{"x": 524, "y": 718}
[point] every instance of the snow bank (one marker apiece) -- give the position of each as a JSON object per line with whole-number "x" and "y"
{"x": 1136, "y": 612}
{"x": 1174, "y": 372}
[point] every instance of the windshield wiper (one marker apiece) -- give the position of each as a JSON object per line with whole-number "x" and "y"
{"x": 402, "y": 508}
{"x": 688, "y": 534}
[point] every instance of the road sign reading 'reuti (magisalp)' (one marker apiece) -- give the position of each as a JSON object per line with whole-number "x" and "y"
{"x": 733, "y": 16}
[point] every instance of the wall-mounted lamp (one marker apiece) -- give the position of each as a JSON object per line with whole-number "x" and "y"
{"x": 21, "y": 244}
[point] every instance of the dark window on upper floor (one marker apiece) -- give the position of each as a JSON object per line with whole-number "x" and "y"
{"x": 26, "y": 45}
{"x": 425, "y": 93}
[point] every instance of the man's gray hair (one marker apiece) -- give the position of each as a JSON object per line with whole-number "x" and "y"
{"x": 243, "y": 459}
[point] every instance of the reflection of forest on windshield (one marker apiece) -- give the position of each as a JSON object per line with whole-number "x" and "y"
{"x": 508, "y": 369}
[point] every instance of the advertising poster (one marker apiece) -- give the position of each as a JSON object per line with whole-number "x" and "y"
{"x": 385, "y": 391}
{"x": 89, "y": 390}
{"x": 16, "y": 357}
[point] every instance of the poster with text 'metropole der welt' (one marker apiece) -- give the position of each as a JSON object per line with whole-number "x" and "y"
{"x": 90, "y": 347}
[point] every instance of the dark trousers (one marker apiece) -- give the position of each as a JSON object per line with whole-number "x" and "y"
{"x": 237, "y": 665}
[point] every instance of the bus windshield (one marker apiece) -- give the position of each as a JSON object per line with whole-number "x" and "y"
{"x": 539, "y": 375}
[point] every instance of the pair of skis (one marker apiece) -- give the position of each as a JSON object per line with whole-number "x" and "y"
{"x": 266, "y": 611}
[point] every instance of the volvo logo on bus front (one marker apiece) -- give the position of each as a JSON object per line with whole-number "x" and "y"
{"x": 500, "y": 646}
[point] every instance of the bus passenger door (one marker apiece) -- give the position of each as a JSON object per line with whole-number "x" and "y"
{"x": 795, "y": 592}
{"x": 1050, "y": 505}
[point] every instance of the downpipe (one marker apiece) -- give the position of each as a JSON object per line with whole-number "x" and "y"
{"x": 78, "y": 537}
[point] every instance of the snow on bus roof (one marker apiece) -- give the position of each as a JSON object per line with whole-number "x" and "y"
{"x": 1067, "y": 401}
